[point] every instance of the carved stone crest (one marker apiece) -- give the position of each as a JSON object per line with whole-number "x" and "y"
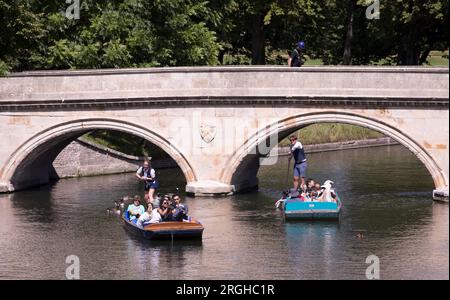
{"x": 207, "y": 132}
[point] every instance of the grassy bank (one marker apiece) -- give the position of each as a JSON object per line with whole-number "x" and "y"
{"x": 313, "y": 134}
{"x": 438, "y": 58}
{"x": 331, "y": 133}
{"x": 125, "y": 143}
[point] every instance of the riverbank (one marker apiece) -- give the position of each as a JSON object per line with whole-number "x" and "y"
{"x": 83, "y": 158}
{"x": 384, "y": 141}
{"x": 325, "y": 133}
{"x": 311, "y": 135}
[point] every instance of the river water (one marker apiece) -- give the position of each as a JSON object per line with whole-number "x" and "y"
{"x": 388, "y": 212}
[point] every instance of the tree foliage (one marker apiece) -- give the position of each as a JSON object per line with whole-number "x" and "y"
{"x": 109, "y": 34}
{"x": 37, "y": 34}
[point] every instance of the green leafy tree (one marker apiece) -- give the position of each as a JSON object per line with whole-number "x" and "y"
{"x": 20, "y": 31}
{"x": 36, "y": 34}
{"x": 416, "y": 28}
{"x": 109, "y": 34}
{"x": 404, "y": 34}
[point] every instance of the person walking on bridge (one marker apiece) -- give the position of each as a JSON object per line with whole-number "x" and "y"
{"x": 300, "y": 166}
{"x": 296, "y": 59}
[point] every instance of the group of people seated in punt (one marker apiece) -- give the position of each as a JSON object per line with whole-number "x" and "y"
{"x": 170, "y": 209}
{"x": 313, "y": 191}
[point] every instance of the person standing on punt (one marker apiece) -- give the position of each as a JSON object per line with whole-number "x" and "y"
{"x": 147, "y": 174}
{"x": 300, "y": 166}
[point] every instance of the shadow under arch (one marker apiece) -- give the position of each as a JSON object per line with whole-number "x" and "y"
{"x": 245, "y": 161}
{"x": 31, "y": 163}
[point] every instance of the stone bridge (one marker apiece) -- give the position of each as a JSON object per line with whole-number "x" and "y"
{"x": 217, "y": 122}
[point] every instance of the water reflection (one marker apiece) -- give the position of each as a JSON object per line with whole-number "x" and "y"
{"x": 387, "y": 211}
{"x": 35, "y": 206}
{"x": 162, "y": 259}
{"x": 309, "y": 242}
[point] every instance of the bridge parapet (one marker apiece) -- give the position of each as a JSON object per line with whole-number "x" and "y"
{"x": 344, "y": 86}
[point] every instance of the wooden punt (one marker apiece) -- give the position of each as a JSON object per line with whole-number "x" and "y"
{"x": 167, "y": 230}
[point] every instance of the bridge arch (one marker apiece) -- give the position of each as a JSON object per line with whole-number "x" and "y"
{"x": 30, "y": 164}
{"x": 244, "y": 162}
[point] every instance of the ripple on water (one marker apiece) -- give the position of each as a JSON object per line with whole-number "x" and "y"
{"x": 387, "y": 212}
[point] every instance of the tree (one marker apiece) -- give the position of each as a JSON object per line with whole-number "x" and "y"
{"x": 36, "y": 34}
{"x": 261, "y": 26}
{"x": 109, "y": 34}
{"x": 405, "y": 33}
{"x": 347, "y": 60}
{"x": 419, "y": 27}
{"x": 20, "y": 31}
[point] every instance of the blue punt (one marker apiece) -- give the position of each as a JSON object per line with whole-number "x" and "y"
{"x": 295, "y": 209}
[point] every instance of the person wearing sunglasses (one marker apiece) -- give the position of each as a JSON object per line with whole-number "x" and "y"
{"x": 165, "y": 209}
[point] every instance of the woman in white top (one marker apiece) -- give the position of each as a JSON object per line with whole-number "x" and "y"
{"x": 151, "y": 216}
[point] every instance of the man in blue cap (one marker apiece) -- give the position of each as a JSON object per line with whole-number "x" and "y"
{"x": 296, "y": 59}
